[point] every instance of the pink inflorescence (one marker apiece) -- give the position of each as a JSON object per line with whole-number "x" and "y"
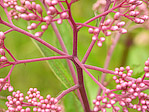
{"x": 130, "y": 90}
{"x": 29, "y": 10}
{"x": 34, "y": 99}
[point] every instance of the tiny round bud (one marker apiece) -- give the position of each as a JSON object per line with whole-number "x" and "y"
{"x": 117, "y": 15}
{"x": 2, "y": 35}
{"x": 3, "y": 59}
{"x": 2, "y": 52}
{"x": 99, "y": 43}
{"x": 44, "y": 27}
{"x": 38, "y": 34}
{"x": 39, "y": 9}
{"x": 64, "y": 15}
{"x": 59, "y": 21}
{"x": 107, "y": 22}
{"x": 123, "y": 31}
{"x": 90, "y": 30}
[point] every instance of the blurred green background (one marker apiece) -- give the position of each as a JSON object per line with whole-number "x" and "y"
{"x": 40, "y": 76}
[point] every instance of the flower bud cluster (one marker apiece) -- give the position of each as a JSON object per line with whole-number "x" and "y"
{"x": 3, "y": 58}
{"x": 146, "y": 68}
{"x": 29, "y": 10}
{"x": 130, "y": 91}
{"x": 34, "y": 99}
{"x": 105, "y": 101}
{"x": 5, "y": 85}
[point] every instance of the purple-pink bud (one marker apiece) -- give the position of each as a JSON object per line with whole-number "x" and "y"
{"x": 54, "y": 2}
{"x": 117, "y": 15}
{"x": 3, "y": 59}
{"x": 39, "y": 9}
{"x": 120, "y": 24}
{"x": 64, "y": 15}
{"x": 132, "y": 7}
{"x": 28, "y": 5}
{"x": 52, "y": 10}
{"x": 2, "y": 35}
{"x": 107, "y": 22}
{"x": 114, "y": 28}
{"x": 44, "y": 27}
{"x": 90, "y": 30}
{"x": 34, "y": 5}
{"x": 99, "y": 43}
{"x": 48, "y": 2}
{"x": 123, "y": 31}
{"x": 59, "y": 21}
{"x": 38, "y": 34}
{"x": 20, "y": 9}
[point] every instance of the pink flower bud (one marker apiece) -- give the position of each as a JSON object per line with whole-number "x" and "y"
{"x": 114, "y": 28}
{"x": 32, "y": 16}
{"x": 90, "y": 30}
{"x": 144, "y": 17}
{"x": 33, "y": 26}
{"x": 34, "y": 5}
{"x": 99, "y": 43}
{"x": 2, "y": 35}
{"x": 102, "y": 39}
{"x": 107, "y": 22}
{"x": 20, "y": 9}
{"x": 59, "y": 21}
{"x": 10, "y": 88}
{"x": 52, "y": 10}
{"x": 104, "y": 28}
{"x": 120, "y": 24}
{"x": 48, "y": 2}
{"x": 138, "y": 21}
{"x": 38, "y": 34}
{"x": 44, "y": 27}
{"x": 54, "y": 2}
{"x": 132, "y": 7}
{"x": 117, "y": 15}
{"x": 131, "y": 1}
{"x": 147, "y": 75}
{"x": 28, "y": 5}
{"x": 25, "y": 16}
{"x": 39, "y": 9}
{"x": 96, "y": 31}
{"x": 2, "y": 52}
{"x": 123, "y": 31}
{"x": 3, "y": 59}
{"x": 94, "y": 38}
{"x": 64, "y": 15}
{"x": 48, "y": 19}
{"x": 108, "y": 33}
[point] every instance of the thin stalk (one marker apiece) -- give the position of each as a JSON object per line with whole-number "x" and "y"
{"x": 92, "y": 77}
{"x": 93, "y": 41}
{"x": 42, "y": 59}
{"x": 67, "y": 91}
{"x": 83, "y": 94}
{"x": 34, "y": 37}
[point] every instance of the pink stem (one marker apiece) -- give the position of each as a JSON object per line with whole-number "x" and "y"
{"x": 67, "y": 91}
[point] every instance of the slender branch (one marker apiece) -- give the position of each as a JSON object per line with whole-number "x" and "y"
{"x": 105, "y": 71}
{"x": 103, "y": 14}
{"x": 83, "y": 94}
{"x": 67, "y": 91}
{"x": 8, "y": 76}
{"x": 94, "y": 79}
{"x": 10, "y": 53}
{"x": 42, "y": 59}
{"x": 93, "y": 41}
{"x": 34, "y": 37}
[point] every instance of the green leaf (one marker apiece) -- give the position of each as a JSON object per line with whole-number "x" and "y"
{"x": 59, "y": 67}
